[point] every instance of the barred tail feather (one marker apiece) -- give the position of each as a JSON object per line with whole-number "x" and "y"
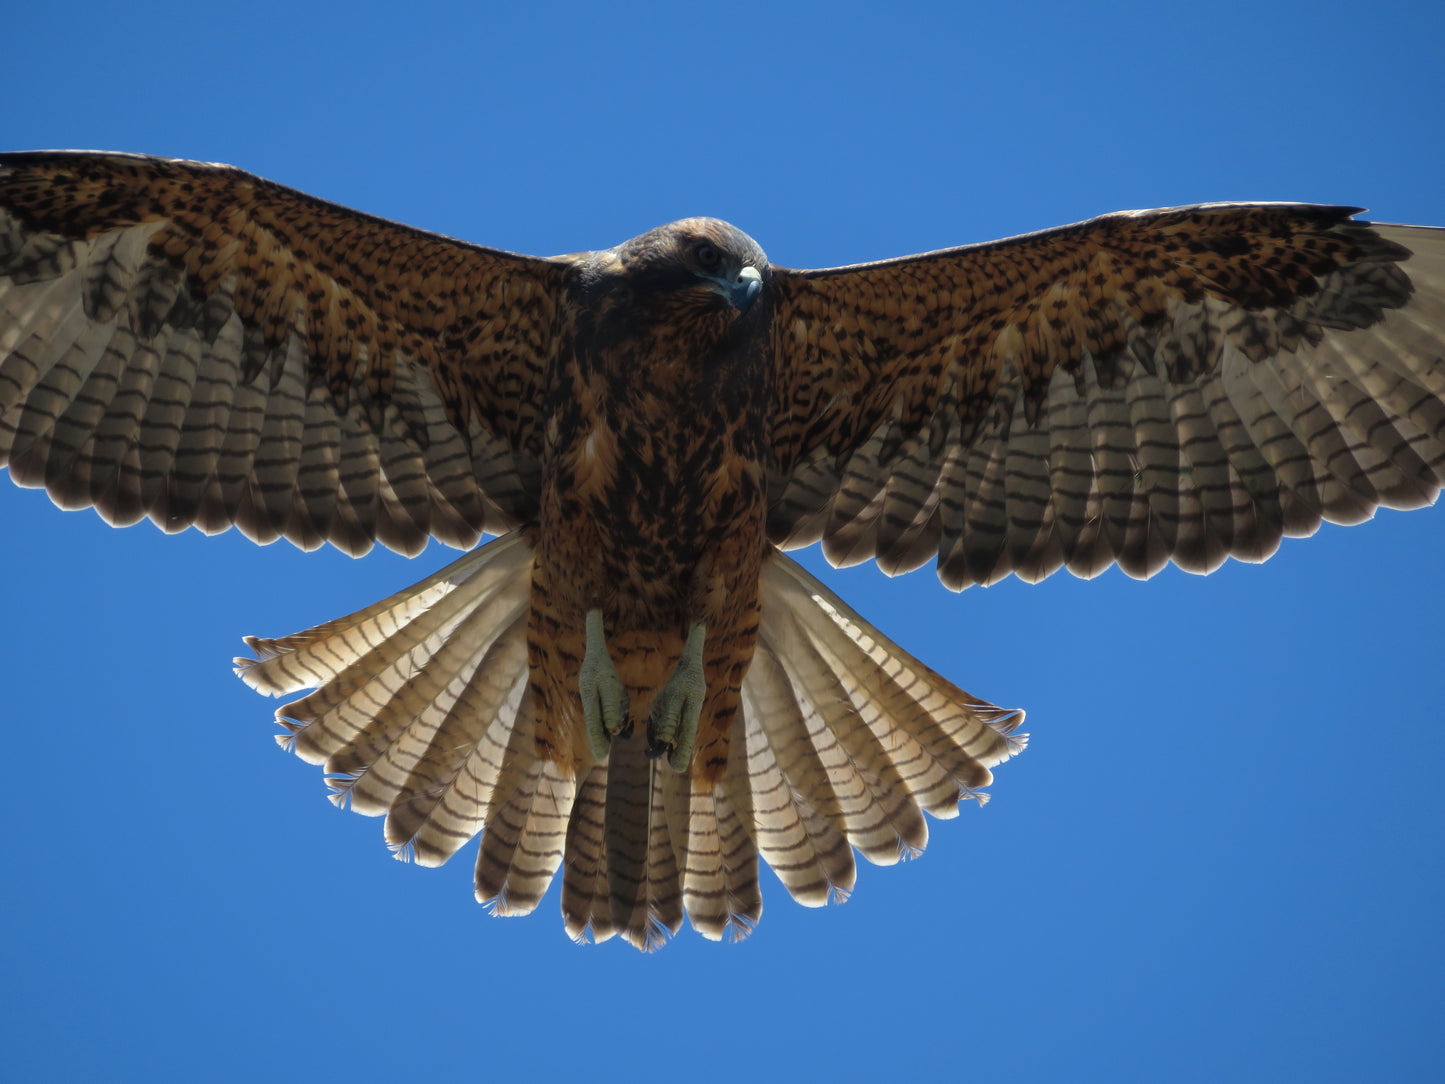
{"x": 643, "y": 885}
{"x": 718, "y": 861}
{"x": 523, "y": 840}
{"x": 421, "y": 712}
{"x": 846, "y": 738}
{"x": 586, "y": 902}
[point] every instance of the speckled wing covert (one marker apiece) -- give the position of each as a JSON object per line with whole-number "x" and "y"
{"x": 1184, "y": 385}
{"x": 194, "y": 344}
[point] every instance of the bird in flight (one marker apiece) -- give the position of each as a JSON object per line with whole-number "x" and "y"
{"x": 632, "y": 683}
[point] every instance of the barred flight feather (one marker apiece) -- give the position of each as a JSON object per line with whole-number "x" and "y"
{"x": 130, "y": 384}
{"x": 1209, "y": 429}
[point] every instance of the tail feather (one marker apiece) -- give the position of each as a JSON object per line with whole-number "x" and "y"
{"x": 923, "y": 703}
{"x": 693, "y": 823}
{"x": 500, "y": 837}
{"x": 508, "y": 786}
{"x": 625, "y": 836}
{"x": 812, "y": 762}
{"x": 642, "y": 875}
{"x": 825, "y": 681}
{"x": 421, "y": 735}
{"x": 661, "y": 917}
{"x": 890, "y": 825}
{"x": 884, "y": 722}
{"x": 586, "y": 900}
{"x": 422, "y": 712}
{"x": 743, "y": 893}
{"x": 818, "y": 720}
{"x": 447, "y": 798}
{"x": 939, "y": 728}
{"x": 318, "y": 656}
{"x": 780, "y": 786}
{"x": 524, "y": 839}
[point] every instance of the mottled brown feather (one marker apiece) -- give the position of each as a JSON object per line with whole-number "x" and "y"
{"x": 1056, "y": 398}
{"x": 393, "y": 368}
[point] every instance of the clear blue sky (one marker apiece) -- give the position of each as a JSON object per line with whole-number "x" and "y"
{"x": 1221, "y": 856}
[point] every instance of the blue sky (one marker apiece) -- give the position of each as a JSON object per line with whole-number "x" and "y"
{"x": 1221, "y": 854}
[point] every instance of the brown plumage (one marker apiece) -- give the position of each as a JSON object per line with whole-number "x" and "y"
{"x": 645, "y": 426}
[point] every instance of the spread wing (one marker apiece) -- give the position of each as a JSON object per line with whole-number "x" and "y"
{"x": 1183, "y": 385}
{"x": 194, "y": 344}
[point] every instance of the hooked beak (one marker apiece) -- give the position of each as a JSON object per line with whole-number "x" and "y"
{"x": 744, "y": 290}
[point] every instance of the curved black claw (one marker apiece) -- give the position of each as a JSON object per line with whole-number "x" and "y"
{"x": 655, "y": 747}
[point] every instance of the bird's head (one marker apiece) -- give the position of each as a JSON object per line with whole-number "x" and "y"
{"x": 685, "y": 302}
{"x": 697, "y": 264}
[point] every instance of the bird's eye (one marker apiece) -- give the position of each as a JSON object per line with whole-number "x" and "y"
{"x": 707, "y": 255}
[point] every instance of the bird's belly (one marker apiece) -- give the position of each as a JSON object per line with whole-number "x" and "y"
{"x": 657, "y": 569}
{"x": 656, "y": 555}
{"x": 649, "y": 520}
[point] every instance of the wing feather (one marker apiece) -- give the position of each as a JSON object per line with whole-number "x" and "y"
{"x": 191, "y": 343}
{"x": 1186, "y": 385}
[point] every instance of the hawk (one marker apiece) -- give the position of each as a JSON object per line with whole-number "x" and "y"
{"x": 632, "y": 684}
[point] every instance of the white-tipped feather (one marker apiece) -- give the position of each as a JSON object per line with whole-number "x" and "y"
{"x": 421, "y": 712}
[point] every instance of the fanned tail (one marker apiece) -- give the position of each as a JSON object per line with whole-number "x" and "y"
{"x": 422, "y": 713}
{"x": 846, "y": 739}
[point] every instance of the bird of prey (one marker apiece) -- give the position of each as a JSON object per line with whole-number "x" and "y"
{"x": 632, "y": 684}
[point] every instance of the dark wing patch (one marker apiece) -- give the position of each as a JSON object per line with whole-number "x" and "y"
{"x": 191, "y": 343}
{"x": 1179, "y": 385}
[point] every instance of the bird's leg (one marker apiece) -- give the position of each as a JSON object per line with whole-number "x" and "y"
{"x": 604, "y": 697}
{"x": 672, "y": 724}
